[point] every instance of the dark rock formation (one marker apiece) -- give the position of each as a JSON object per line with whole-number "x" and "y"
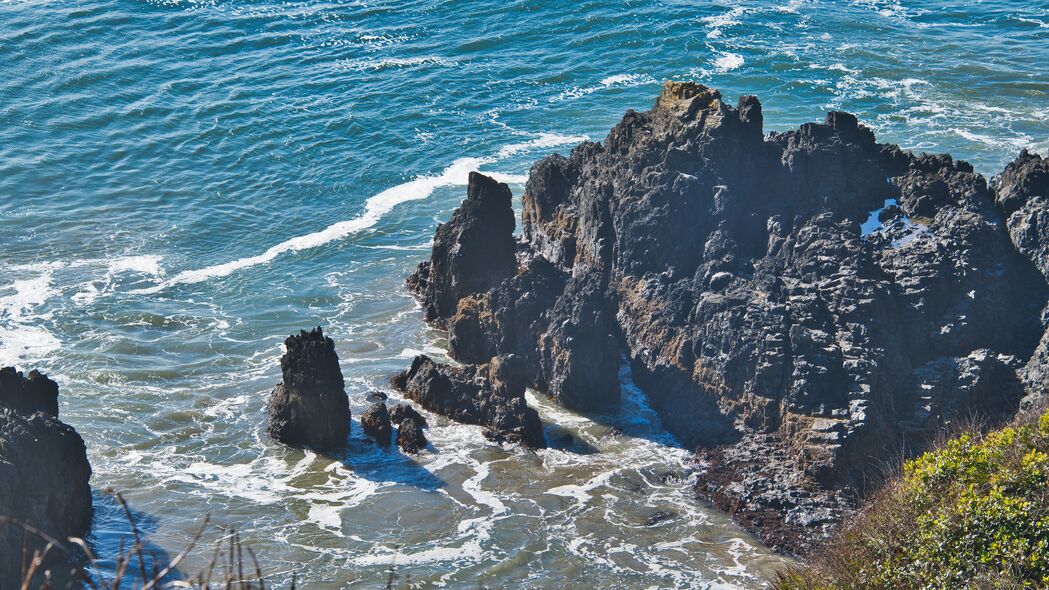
{"x": 44, "y": 471}
{"x": 375, "y": 421}
{"x": 27, "y": 395}
{"x": 473, "y": 252}
{"x": 309, "y": 408}
{"x": 491, "y": 395}
{"x": 1022, "y": 191}
{"x": 730, "y": 268}
{"x": 410, "y": 436}
{"x": 400, "y": 412}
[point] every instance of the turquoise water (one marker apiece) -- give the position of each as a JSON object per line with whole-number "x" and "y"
{"x": 182, "y": 184}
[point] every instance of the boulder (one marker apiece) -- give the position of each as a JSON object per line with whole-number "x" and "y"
{"x": 309, "y": 407}
{"x": 375, "y": 421}
{"x": 400, "y": 412}
{"x": 44, "y": 473}
{"x": 410, "y": 436}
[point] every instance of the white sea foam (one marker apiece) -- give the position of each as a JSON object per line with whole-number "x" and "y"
{"x": 617, "y": 81}
{"x": 22, "y": 337}
{"x": 726, "y": 62}
{"x": 457, "y": 174}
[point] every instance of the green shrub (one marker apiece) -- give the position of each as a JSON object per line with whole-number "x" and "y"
{"x": 972, "y": 514}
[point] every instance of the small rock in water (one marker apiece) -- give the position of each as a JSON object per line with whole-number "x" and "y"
{"x": 400, "y": 412}
{"x": 410, "y": 436}
{"x": 612, "y": 432}
{"x": 309, "y": 407}
{"x": 376, "y": 423}
{"x": 376, "y": 396}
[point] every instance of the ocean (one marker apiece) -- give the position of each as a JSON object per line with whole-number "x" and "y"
{"x": 183, "y": 184}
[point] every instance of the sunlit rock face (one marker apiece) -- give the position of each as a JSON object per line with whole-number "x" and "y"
{"x": 800, "y": 306}
{"x": 309, "y": 407}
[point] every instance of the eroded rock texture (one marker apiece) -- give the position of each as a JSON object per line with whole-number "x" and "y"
{"x": 1023, "y": 195}
{"x": 44, "y": 472}
{"x": 802, "y": 305}
{"x": 490, "y": 395}
{"x": 309, "y": 407}
{"x": 375, "y": 421}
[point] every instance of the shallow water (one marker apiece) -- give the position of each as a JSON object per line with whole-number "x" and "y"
{"x": 183, "y": 184}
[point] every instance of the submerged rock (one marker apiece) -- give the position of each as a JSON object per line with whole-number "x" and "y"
{"x": 490, "y": 395}
{"x": 44, "y": 472}
{"x": 309, "y": 407}
{"x": 375, "y": 421}
{"x": 730, "y": 268}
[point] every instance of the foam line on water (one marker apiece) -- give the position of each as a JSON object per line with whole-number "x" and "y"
{"x": 457, "y": 174}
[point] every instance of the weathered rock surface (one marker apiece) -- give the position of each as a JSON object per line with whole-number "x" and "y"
{"x": 410, "y": 436}
{"x": 375, "y": 421}
{"x": 801, "y": 305}
{"x": 490, "y": 395}
{"x": 400, "y": 412}
{"x": 309, "y": 407}
{"x": 472, "y": 252}
{"x": 1022, "y": 191}
{"x": 44, "y": 471}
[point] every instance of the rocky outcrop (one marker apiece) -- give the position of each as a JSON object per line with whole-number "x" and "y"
{"x": 400, "y": 412}
{"x": 28, "y": 394}
{"x": 44, "y": 471}
{"x": 375, "y": 421}
{"x": 472, "y": 252}
{"x": 490, "y": 395}
{"x": 1022, "y": 192}
{"x": 309, "y": 407}
{"x": 801, "y": 305}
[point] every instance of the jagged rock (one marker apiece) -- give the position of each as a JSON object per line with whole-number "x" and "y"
{"x": 376, "y": 396}
{"x": 375, "y": 421}
{"x": 400, "y": 412}
{"x": 44, "y": 472}
{"x": 490, "y": 395}
{"x": 309, "y": 407}
{"x": 731, "y": 269}
{"x": 26, "y": 395}
{"x": 472, "y": 252}
{"x": 1022, "y": 192}
{"x": 410, "y": 436}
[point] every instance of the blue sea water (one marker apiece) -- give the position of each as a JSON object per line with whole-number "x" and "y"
{"x": 183, "y": 184}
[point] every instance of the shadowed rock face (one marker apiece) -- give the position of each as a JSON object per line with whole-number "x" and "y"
{"x": 309, "y": 408}
{"x": 491, "y": 395}
{"x": 800, "y": 305}
{"x": 26, "y": 395}
{"x": 44, "y": 470}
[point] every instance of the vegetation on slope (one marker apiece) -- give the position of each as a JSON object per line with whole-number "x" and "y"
{"x": 972, "y": 514}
